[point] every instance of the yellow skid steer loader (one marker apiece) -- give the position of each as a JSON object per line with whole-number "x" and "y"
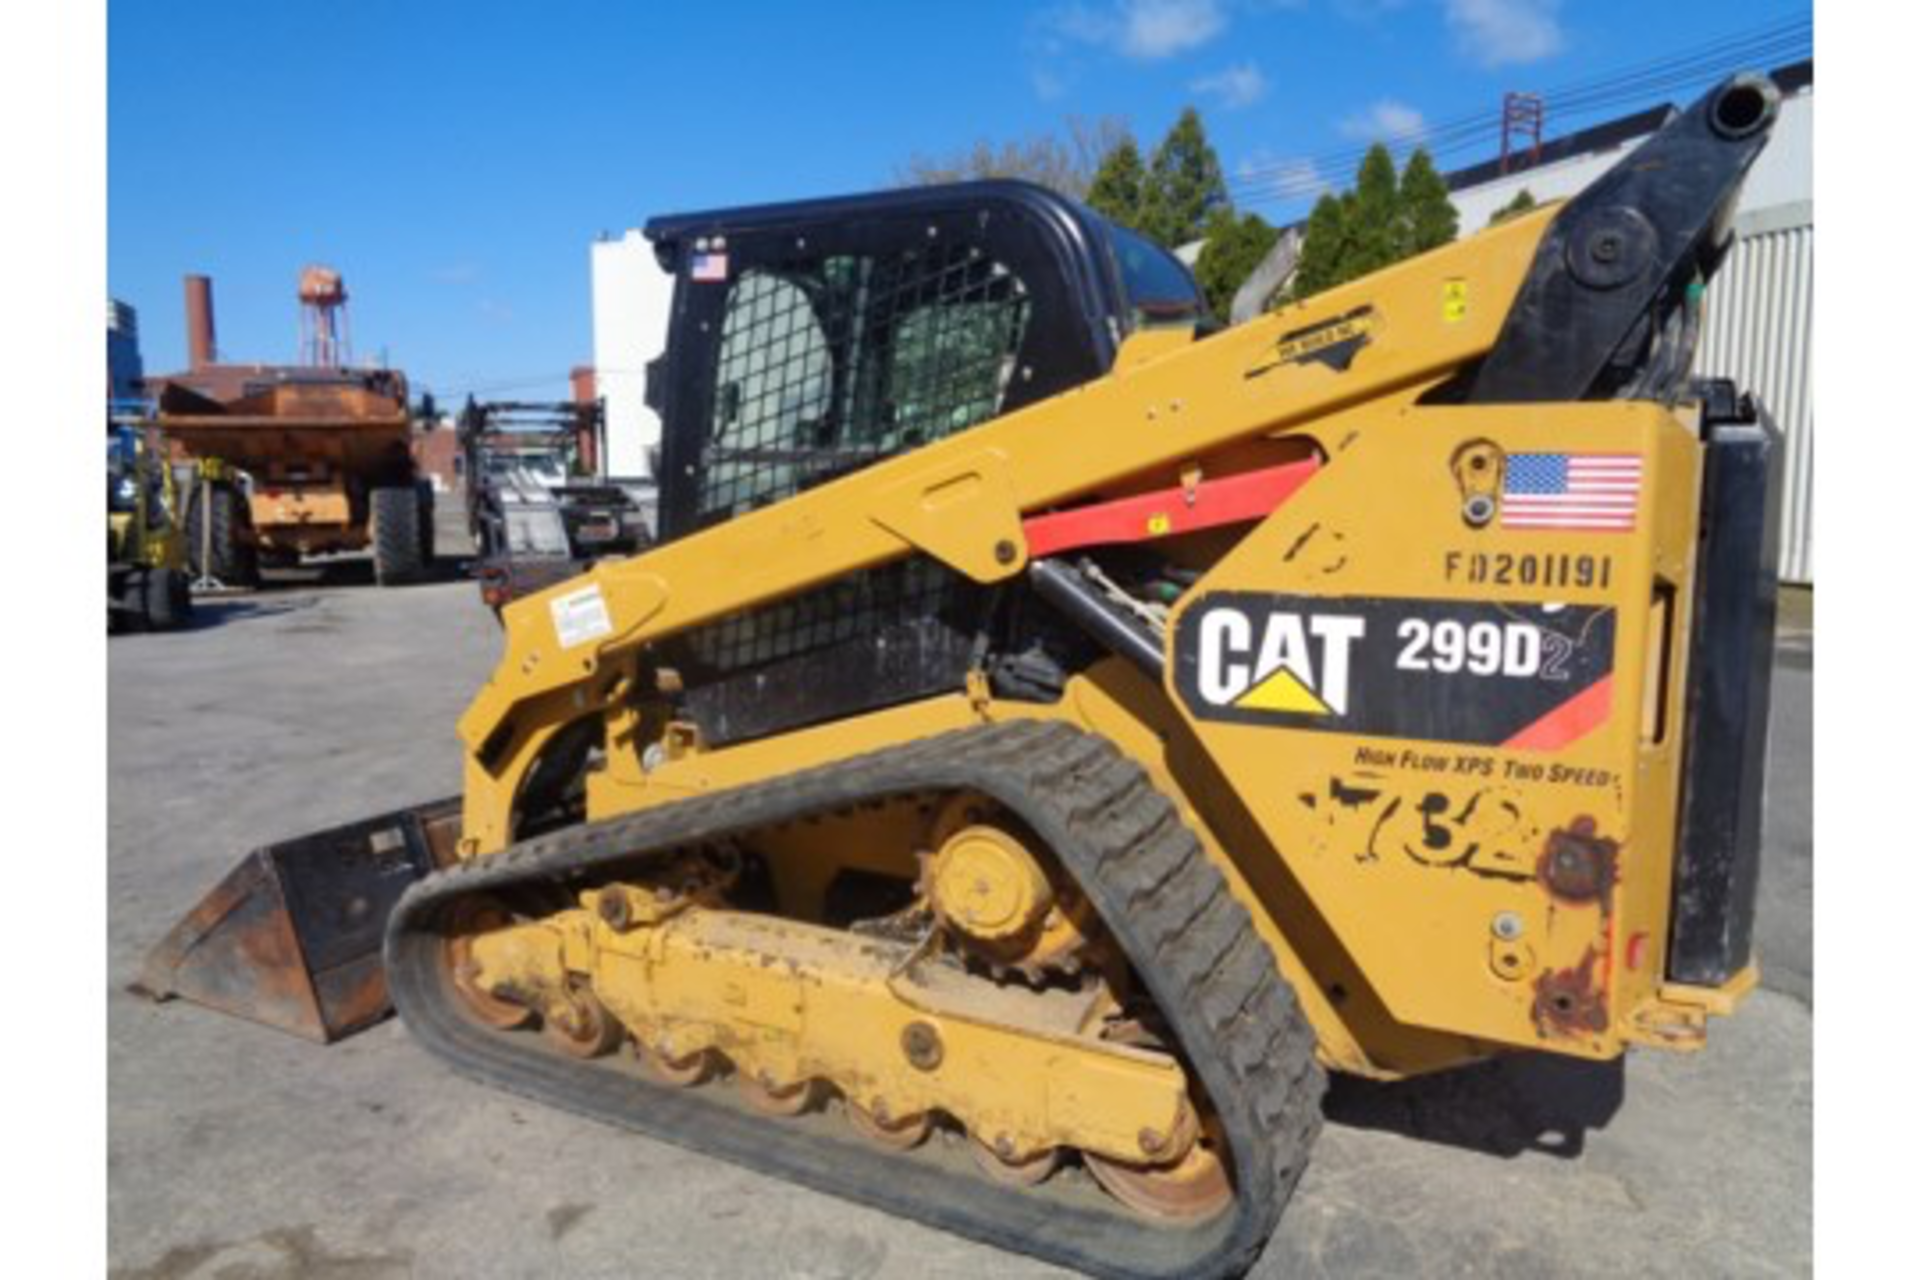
{"x": 1052, "y": 732}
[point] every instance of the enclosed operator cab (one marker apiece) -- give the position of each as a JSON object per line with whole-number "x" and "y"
{"x": 815, "y": 338}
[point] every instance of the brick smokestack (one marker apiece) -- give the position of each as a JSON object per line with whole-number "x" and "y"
{"x": 200, "y": 349}
{"x": 588, "y": 436}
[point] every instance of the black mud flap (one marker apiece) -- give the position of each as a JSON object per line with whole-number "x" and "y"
{"x": 291, "y": 937}
{"x": 1717, "y": 871}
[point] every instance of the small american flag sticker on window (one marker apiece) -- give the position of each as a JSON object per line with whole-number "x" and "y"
{"x": 1598, "y": 491}
{"x": 709, "y": 266}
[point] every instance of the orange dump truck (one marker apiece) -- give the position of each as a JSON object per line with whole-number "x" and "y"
{"x": 292, "y": 461}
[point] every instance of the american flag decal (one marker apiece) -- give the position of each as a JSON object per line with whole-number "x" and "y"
{"x": 709, "y": 266}
{"x": 1571, "y": 491}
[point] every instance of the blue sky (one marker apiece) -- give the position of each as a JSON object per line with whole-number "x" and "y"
{"x": 454, "y": 160}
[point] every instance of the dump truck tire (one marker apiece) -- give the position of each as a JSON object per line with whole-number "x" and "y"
{"x": 132, "y": 615}
{"x": 229, "y": 559}
{"x": 426, "y": 501}
{"x": 397, "y": 553}
{"x": 169, "y": 604}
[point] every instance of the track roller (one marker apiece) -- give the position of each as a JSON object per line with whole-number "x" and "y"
{"x": 684, "y": 1071}
{"x": 901, "y": 1134}
{"x": 580, "y": 1025}
{"x": 1012, "y": 1169}
{"x": 770, "y": 1097}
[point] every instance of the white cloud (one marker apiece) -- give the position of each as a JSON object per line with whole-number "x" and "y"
{"x": 1384, "y": 121}
{"x": 1145, "y": 30}
{"x": 1162, "y": 28}
{"x": 1498, "y": 33}
{"x": 1233, "y": 87}
{"x": 1048, "y": 85}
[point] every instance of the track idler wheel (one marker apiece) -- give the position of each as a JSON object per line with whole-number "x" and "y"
{"x": 900, "y": 1134}
{"x": 1004, "y": 1166}
{"x": 579, "y": 1025}
{"x": 464, "y": 920}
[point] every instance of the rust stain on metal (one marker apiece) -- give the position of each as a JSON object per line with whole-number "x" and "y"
{"x": 353, "y": 997}
{"x": 236, "y": 951}
{"x": 1567, "y": 1002}
{"x": 1579, "y": 865}
{"x": 291, "y": 937}
{"x": 441, "y": 825}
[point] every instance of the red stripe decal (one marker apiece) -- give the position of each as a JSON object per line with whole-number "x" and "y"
{"x": 1571, "y": 720}
{"x": 1252, "y": 495}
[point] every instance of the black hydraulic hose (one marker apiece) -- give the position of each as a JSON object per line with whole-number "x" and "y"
{"x": 1067, "y": 589}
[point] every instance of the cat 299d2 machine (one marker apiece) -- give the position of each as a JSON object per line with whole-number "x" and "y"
{"x": 1052, "y": 734}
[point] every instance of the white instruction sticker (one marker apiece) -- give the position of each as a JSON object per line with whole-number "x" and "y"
{"x": 580, "y": 616}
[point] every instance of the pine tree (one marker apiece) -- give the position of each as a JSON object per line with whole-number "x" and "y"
{"x": 1235, "y": 245}
{"x": 1118, "y": 183}
{"x": 1184, "y": 184}
{"x": 1523, "y": 202}
{"x": 1324, "y": 250}
{"x": 1373, "y": 215}
{"x": 1386, "y": 217}
{"x": 1428, "y": 218}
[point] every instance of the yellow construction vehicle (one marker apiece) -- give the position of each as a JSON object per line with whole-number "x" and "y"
{"x": 147, "y": 587}
{"x": 1051, "y": 735}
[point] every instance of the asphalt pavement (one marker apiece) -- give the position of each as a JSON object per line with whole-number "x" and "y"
{"x": 239, "y": 1153}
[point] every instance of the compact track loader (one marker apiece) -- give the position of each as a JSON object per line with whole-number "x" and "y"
{"x": 1051, "y": 735}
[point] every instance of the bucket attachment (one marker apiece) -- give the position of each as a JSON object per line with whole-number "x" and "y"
{"x": 291, "y": 937}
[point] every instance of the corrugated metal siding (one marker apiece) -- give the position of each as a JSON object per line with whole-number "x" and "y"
{"x": 1758, "y": 330}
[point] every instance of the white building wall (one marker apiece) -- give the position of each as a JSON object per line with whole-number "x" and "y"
{"x": 1782, "y": 175}
{"x": 1757, "y": 328}
{"x": 632, "y": 298}
{"x": 1477, "y": 205}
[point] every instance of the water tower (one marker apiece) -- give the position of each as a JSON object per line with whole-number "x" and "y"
{"x": 324, "y": 339}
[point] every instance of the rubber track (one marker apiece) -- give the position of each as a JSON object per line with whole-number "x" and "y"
{"x": 1210, "y": 973}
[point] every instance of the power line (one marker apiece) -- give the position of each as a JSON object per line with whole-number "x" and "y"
{"x": 1770, "y": 46}
{"x": 1307, "y": 176}
{"x": 1762, "y": 45}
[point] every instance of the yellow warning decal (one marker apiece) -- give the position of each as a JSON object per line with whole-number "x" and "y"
{"x": 1158, "y": 523}
{"x": 1283, "y": 691}
{"x": 1453, "y": 301}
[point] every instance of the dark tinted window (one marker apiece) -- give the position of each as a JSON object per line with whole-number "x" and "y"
{"x": 1159, "y": 289}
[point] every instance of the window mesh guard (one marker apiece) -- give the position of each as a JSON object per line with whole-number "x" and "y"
{"x": 826, "y": 366}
